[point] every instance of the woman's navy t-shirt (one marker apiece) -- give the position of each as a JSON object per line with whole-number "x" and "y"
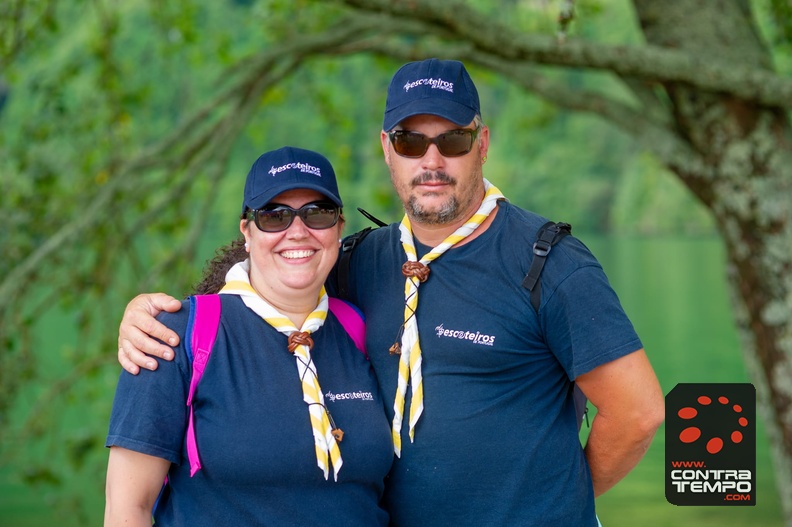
{"x": 253, "y": 429}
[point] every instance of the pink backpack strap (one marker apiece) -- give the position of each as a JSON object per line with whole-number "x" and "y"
{"x": 202, "y": 331}
{"x": 352, "y": 320}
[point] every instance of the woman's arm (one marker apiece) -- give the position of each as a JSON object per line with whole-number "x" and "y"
{"x": 134, "y": 481}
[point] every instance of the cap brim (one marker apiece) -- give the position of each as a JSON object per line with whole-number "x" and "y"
{"x": 266, "y": 197}
{"x": 451, "y": 110}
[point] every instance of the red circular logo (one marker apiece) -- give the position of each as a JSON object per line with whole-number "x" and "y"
{"x": 693, "y": 433}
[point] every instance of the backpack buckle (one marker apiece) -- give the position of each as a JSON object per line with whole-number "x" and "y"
{"x": 350, "y": 242}
{"x": 541, "y": 248}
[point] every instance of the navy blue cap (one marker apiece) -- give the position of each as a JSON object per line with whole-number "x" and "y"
{"x": 432, "y": 86}
{"x": 285, "y": 169}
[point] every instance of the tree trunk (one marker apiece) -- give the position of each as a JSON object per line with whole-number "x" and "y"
{"x": 746, "y": 150}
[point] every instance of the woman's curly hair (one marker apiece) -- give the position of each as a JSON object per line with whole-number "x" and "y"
{"x": 215, "y": 270}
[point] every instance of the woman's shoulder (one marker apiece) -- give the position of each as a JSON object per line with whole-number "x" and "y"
{"x": 176, "y": 321}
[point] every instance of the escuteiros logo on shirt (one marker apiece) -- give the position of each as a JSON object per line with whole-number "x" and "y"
{"x": 302, "y": 167}
{"x": 349, "y": 396}
{"x": 474, "y": 336}
{"x": 435, "y": 84}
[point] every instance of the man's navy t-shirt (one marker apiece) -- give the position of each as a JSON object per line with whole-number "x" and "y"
{"x": 497, "y": 443}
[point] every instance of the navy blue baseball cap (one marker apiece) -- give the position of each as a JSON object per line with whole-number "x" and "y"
{"x": 285, "y": 169}
{"x": 432, "y": 86}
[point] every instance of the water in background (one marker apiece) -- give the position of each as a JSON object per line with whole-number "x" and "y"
{"x": 674, "y": 290}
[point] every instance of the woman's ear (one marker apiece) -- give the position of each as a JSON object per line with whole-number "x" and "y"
{"x": 244, "y": 228}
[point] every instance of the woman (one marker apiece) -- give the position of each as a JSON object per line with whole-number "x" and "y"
{"x": 270, "y": 449}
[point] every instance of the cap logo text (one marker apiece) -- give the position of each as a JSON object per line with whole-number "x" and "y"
{"x": 302, "y": 167}
{"x": 435, "y": 84}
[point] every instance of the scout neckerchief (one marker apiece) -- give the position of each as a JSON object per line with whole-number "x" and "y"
{"x": 410, "y": 348}
{"x": 299, "y": 343}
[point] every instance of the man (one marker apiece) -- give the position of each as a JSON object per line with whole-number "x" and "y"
{"x": 483, "y": 415}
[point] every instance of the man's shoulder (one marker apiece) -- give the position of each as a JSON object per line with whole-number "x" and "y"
{"x": 521, "y": 223}
{"x": 378, "y": 238}
{"x": 565, "y": 257}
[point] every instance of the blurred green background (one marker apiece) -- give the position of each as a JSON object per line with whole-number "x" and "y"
{"x": 672, "y": 287}
{"x": 122, "y": 160}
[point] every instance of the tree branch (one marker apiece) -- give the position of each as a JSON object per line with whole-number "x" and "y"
{"x": 650, "y": 63}
{"x": 156, "y": 155}
{"x": 653, "y": 135}
{"x": 644, "y": 127}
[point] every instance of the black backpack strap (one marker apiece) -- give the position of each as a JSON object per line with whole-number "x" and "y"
{"x": 548, "y": 235}
{"x": 342, "y": 267}
{"x": 378, "y": 222}
{"x": 581, "y": 406}
{"x": 347, "y": 246}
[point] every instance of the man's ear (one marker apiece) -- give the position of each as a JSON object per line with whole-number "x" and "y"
{"x": 385, "y": 141}
{"x": 483, "y": 140}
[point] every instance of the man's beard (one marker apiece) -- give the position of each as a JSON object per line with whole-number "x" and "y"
{"x": 449, "y": 211}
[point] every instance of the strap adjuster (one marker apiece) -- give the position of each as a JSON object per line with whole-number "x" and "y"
{"x": 541, "y": 248}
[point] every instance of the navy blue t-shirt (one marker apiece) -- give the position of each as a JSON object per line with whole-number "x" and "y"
{"x": 253, "y": 429}
{"x": 497, "y": 443}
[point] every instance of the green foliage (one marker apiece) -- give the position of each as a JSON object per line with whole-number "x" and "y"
{"x": 774, "y": 18}
{"x": 781, "y": 12}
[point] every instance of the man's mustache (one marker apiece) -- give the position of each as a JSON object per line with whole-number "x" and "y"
{"x": 433, "y": 177}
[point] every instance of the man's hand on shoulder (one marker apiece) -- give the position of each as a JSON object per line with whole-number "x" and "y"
{"x": 139, "y": 328}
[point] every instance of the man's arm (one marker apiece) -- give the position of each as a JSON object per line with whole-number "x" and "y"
{"x": 630, "y": 408}
{"x": 139, "y": 328}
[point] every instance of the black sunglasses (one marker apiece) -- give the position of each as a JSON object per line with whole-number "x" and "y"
{"x": 454, "y": 143}
{"x": 276, "y": 218}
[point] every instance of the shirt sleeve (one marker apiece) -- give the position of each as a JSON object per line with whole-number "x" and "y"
{"x": 585, "y": 324}
{"x": 149, "y": 410}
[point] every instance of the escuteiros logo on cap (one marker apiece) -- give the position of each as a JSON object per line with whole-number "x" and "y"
{"x": 302, "y": 167}
{"x": 435, "y": 84}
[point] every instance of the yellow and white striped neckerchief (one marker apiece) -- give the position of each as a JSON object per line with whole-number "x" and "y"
{"x": 238, "y": 283}
{"x": 410, "y": 359}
